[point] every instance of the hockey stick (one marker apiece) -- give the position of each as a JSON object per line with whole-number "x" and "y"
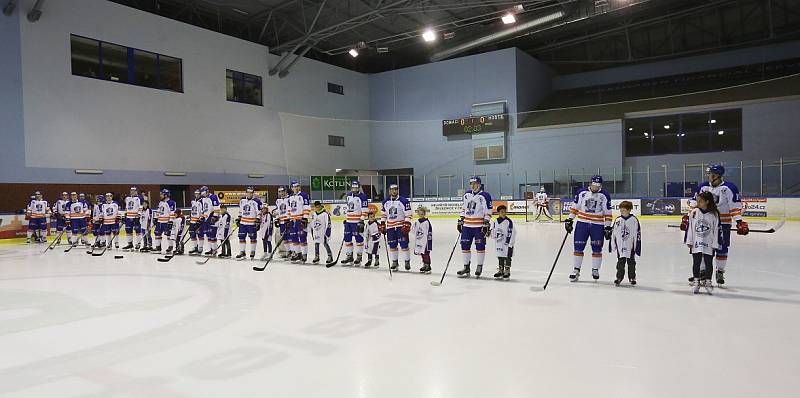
{"x": 554, "y": 263}
{"x": 274, "y": 249}
{"x": 328, "y": 265}
{"x": 108, "y": 244}
{"x": 183, "y": 242}
{"x": 386, "y": 247}
{"x": 434, "y": 283}
{"x": 763, "y": 231}
{"x": 213, "y": 255}
{"x": 53, "y": 244}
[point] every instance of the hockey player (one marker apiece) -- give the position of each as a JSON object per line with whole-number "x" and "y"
{"x": 223, "y": 230}
{"x": 626, "y": 239}
{"x": 396, "y": 226}
{"x": 703, "y": 235}
{"x": 265, "y": 233}
{"x": 133, "y": 214}
{"x": 27, "y": 212}
{"x": 249, "y": 222}
{"x": 38, "y": 211}
{"x": 282, "y": 222}
{"x": 209, "y": 218}
{"x": 165, "y": 216}
{"x": 97, "y": 221}
{"x": 111, "y": 217}
{"x": 195, "y": 230}
{"x": 146, "y": 223}
{"x": 299, "y": 212}
{"x": 592, "y": 208}
{"x": 542, "y": 205}
{"x": 726, "y": 197}
{"x": 373, "y": 240}
{"x": 60, "y": 214}
{"x": 321, "y": 231}
{"x": 423, "y": 238}
{"x": 476, "y": 216}
{"x": 355, "y": 216}
{"x": 176, "y": 233}
{"x": 76, "y": 219}
{"x": 504, "y": 236}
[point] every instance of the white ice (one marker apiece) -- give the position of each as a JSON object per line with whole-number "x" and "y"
{"x": 72, "y": 325}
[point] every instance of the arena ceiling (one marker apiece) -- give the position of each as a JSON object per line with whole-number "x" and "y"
{"x": 569, "y": 35}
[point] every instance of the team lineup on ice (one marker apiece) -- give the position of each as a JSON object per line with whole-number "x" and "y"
{"x": 209, "y": 228}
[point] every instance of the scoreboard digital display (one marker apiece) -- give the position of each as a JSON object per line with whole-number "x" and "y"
{"x": 477, "y": 124}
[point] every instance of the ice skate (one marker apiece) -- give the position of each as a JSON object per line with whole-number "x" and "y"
{"x": 575, "y": 275}
{"x": 209, "y": 253}
{"x": 394, "y": 265}
{"x": 303, "y": 258}
{"x": 368, "y": 263}
{"x": 194, "y": 252}
{"x": 169, "y": 250}
{"x": 720, "y": 277}
{"x": 408, "y": 265}
{"x": 315, "y": 260}
{"x": 499, "y": 273}
{"x": 595, "y": 273}
{"x": 348, "y": 260}
{"x": 157, "y": 249}
{"x": 507, "y": 273}
{"x": 129, "y": 246}
{"x": 478, "y": 270}
{"x": 708, "y": 286}
{"x": 253, "y": 255}
{"x": 464, "y": 272}
{"x": 358, "y": 260}
{"x": 617, "y": 281}
{"x": 426, "y": 269}
{"x": 240, "y": 256}
{"x": 696, "y": 286}
{"x": 632, "y": 281}
{"x": 329, "y": 260}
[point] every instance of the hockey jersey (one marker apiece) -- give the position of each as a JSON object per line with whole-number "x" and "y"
{"x": 541, "y": 198}
{"x": 266, "y": 225}
{"x": 146, "y": 219}
{"x": 592, "y": 207}
{"x": 477, "y": 208}
{"x": 210, "y": 206}
{"x": 166, "y": 211}
{"x": 504, "y": 235}
{"x": 373, "y": 236}
{"x": 75, "y": 210}
{"x": 223, "y": 226}
{"x": 321, "y": 227}
{"x": 197, "y": 210}
{"x": 110, "y": 212}
{"x": 299, "y": 206}
{"x": 249, "y": 211}
{"x": 60, "y": 208}
{"x": 727, "y": 197}
{"x": 703, "y": 232}
{"x": 422, "y": 232}
{"x": 177, "y": 228}
{"x": 396, "y": 211}
{"x": 282, "y": 207}
{"x": 627, "y": 237}
{"x": 97, "y": 214}
{"x": 133, "y": 207}
{"x": 38, "y": 209}
{"x": 357, "y": 207}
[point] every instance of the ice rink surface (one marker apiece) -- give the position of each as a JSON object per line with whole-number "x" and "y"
{"x": 72, "y": 325}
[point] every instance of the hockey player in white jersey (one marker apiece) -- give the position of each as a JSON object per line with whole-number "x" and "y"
{"x": 133, "y": 214}
{"x": 703, "y": 236}
{"x": 165, "y": 216}
{"x": 726, "y": 196}
{"x": 354, "y": 223}
{"x": 76, "y": 218}
{"x": 249, "y": 222}
{"x": 422, "y": 231}
{"x": 299, "y": 214}
{"x": 321, "y": 231}
{"x": 626, "y": 240}
{"x": 209, "y": 218}
{"x": 474, "y": 223}
{"x": 592, "y": 208}
{"x": 38, "y": 211}
{"x": 60, "y": 214}
{"x": 542, "y": 205}
{"x": 397, "y": 225}
{"x": 111, "y": 218}
{"x": 504, "y": 235}
{"x": 97, "y": 221}
{"x": 195, "y": 226}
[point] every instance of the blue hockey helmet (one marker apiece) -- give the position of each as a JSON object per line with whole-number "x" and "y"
{"x": 597, "y": 179}
{"x": 197, "y": 192}
{"x": 475, "y": 179}
{"x": 165, "y": 192}
{"x": 73, "y": 193}
{"x": 134, "y": 188}
{"x": 716, "y": 169}
{"x": 393, "y": 186}
{"x": 355, "y": 184}
{"x": 249, "y": 190}
{"x": 99, "y": 198}
{"x": 295, "y": 183}
{"x": 281, "y": 189}
{"x": 203, "y": 189}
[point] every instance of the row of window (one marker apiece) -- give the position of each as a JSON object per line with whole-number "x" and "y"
{"x": 107, "y": 61}
{"x": 716, "y": 131}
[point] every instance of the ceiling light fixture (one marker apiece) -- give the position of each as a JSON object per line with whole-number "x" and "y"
{"x": 508, "y": 18}
{"x": 429, "y": 35}
{"x": 240, "y": 11}
{"x": 353, "y": 52}
{"x": 721, "y": 132}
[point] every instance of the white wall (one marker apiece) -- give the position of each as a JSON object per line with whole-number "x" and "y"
{"x": 76, "y": 122}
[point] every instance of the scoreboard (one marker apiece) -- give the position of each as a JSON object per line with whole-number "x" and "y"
{"x": 476, "y": 124}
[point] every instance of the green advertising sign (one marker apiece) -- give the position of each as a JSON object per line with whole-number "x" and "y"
{"x": 330, "y": 183}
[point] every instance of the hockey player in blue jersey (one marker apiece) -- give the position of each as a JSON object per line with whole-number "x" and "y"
{"x": 397, "y": 225}
{"x": 726, "y": 196}
{"x": 476, "y": 217}
{"x": 592, "y": 208}
{"x": 354, "y": 222}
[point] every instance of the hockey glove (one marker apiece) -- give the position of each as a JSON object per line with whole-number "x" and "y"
{"x": 460, "y": 224}
{"x": 406, "y": 228}
{"x": 607, "y": 232}
{"x": 68, "y": 223}
{"x": 277, "y": 224}
{"x": 238, "y": 221}
{"x": 568, "y": 225}
{"x": 685, "y": 222}
{"x": 742, "y": 228}
{"x": 360, "y": 227}
{"x": 258, "y": 224}
{"x": 304, "y": 223}
{"x": 485, "y": 228}
{"x": 213, "y": 219}
{"x": 382, "y": 227}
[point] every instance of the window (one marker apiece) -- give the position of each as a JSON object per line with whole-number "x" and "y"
{"x": 335, "y": 140}
{"x": 335, "y": 88}
{"x": 716, "y": 131}
{"x": 116, "y": 63}
{"x": 242, "y": 87}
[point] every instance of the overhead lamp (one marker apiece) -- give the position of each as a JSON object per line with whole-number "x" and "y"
{"x": 508, "y": 18}
{"x": 88, "y": 171}
{"x": 353, "y": 52}
{"x": 175, "y": 173}
{"x": 255, "y": 176}
{"x": 382, "y": 50}
{"x": 630, "y": 128}
{"x": 646, "y": 134}
{"x": 721, "y": 132}
{"x": 429, "y": 35}
{"x": 712, "y": 121}
{"x": 666, "y": 127}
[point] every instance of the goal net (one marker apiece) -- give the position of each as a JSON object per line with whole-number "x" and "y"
{"x": 534, "y": 214}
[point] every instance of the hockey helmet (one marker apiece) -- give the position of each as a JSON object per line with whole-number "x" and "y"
{"x": 134, "y": 189}
{"x": 716, "y": 169}
{"x": 73, "y": 193}
{"x": 203, "y": 189}
{"x": 281, "y": 189}
{"x": 597, "y": 180}
{"x": 295, "y": 184}
{"x": 393, "y": 186}
{"x": 475, "y": 179}
{"x": 165, "y": 192}
{"x": 355, "y": 184}
{"x": 249, "y": 190}
{"x": 99, "y": 198}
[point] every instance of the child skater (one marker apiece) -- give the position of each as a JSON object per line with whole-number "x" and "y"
{"x": 504, "y": 236}
{"x": 223, "y": 230}
{"x": 626, "y": 238}
{"x": 321, "y": 231}
{"x": 422, "y": 232}
{"x": 146, "y": 221}
{"x": 373, "y": 243}
{"x": 702, "y": 237}
{"x": 265, "y": 232}
{"x": 176, "y": 235}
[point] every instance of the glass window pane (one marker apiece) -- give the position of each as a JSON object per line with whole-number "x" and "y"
{"x": 229, "y": 89}
{"x": 665, "y": 135}
{"x": 146, "y": 68}
{"x": 728, "y": 119}
{"x": 726, "y": 140}
{"x": 171, "y": 73}
{"x": 695, "y": 122}
{"x": 85, "y": 56}
{"x": 637, "y": 137}
{"x": 252, "y": 92}
{"x": 695, "y": 142}
{"x": 115, "y": 62}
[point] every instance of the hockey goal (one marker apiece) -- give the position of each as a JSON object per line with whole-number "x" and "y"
{"x": 532, "y": 211}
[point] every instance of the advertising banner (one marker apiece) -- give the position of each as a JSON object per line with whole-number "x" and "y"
{"x": 232, "y": 198}
{"x": 754, "y": 207}
{"x": 331, "y": 183}
{"x": 661, "y": 207}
